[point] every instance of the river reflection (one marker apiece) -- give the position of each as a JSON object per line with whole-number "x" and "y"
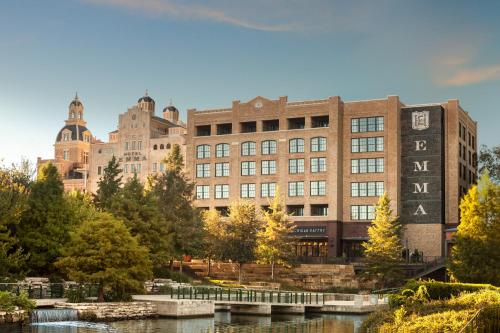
{"x": 223, "y": 322}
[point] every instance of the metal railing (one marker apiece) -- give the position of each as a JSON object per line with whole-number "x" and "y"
{"x": 245, "y": 295}
{"x": 486, "y": 320}
{"x": 49, "y": 290}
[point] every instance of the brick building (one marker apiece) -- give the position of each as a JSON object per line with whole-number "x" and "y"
{"x": 332, "y": 159}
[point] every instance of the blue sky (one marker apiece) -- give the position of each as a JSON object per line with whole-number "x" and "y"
{"x": 204, "y": 54}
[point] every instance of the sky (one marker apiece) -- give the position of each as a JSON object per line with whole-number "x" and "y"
{"x": 205, "y": 54}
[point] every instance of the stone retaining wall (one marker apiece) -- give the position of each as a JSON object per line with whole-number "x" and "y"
{"x": 12, "y": 317}
{"x": 112, "y": 311}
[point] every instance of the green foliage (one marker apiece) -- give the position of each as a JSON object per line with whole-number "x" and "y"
{"x": 102, "y": 251}
{"x": 475, "y": 256}
{"x": 45, "y": 226}
{"x": 140, "y": 212}
{"x": 418, "y": 314}
{"x": 383, "y": 249}
{"x": 214, "y": 234}
{"x": 274, "y": 244}
{"x": 174, "y": 195}
{"x": 9, "y": 302}
{"x": 489, "y": 161}
{"x": 166, "y": 273}
{"x": 76, "y": 295}
{"x": 108, "y": 185}
{"x": 14, "y": 187}
{"x": 435, "y": 290}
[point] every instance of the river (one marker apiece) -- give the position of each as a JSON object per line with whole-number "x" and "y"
{"x": 223, "y": 322}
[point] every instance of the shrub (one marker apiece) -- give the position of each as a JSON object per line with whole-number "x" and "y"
{"x": 9, "y": 302}
{"x": 76, "y": 295}
{"x": 177, "y": 276}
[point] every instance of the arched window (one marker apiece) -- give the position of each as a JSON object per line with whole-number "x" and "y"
{"x": 222, "y": 150}
{"x": 268, "y": 147}
{"x": 203, "y": 151}
{"x": 296, "y": 145}
{"x": 248, "y": 148}
{"x": 72, "y": 115}
{"x": 318, "y": 144}
{"x": 162, "y": 146}
{"x": 79, "y": 115}
{"x": 155, "y": 147}
{"x": 168, "y": 146}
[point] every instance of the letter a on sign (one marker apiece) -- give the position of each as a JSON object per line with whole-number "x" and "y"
{"x": 420, "y": 211}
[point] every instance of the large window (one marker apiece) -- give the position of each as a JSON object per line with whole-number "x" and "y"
{"x": 367, "y": 189}
{"x": 248, "y": 168}
{"x": 222, "y": 169}
{"x": 268, "y": 147}
{"x": 203, "y": 170}
{"x": 202, "y": 192}
{"x": 318, "y": 188}
{"x": 363, "y": 145}
{"x": 318, "y": 164}
{"x": 295, "y": 210}
{"x": 367, "y": 165}
{"x": 65, "y": 154}
{"x": 371, "y": 124}
{"x": 267, "y": 190}
{"x": 311, "y": 248}
{"x": 296, "y": 146}
{"x": 268, "y": 167}
{"x": 318, "y": 144}
{"x": 203, "y": 151}
{"x": 222, "y": 150}
{"x": 362, "y": 212}
{"x": 319, "y": 210}
{"x": 248, "y": 190}
{"x": 296, "y": 189}
{"x": 221, "y": 191}
{"x": 296, "y": 165}
{"x": 248, "y": 148}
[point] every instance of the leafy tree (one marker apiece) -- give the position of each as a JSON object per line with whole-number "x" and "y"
{"x": 240, "y": 233}
{"x": 213, "y": 244}
{"x": 14, "y": 187}
{"x": 174, "y": 194}
{"x": 140, "y": 212}
{"x": 45, "y": 226}
{"x": 102, "y": 251}
{"x": 489, "y": 160}
{"x": 108, "y": 185}
{"x": 274, "y": 241}
{"x": 383, "y": 249}
{"x": 475, "y": 256}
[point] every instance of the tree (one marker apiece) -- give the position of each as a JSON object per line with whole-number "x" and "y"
{"x": 383, "y": 249}
{"x": 174, "y": 194}
{"x": 102, "y": 251}
{"x": 274, "y": 241}
{"x": 475, "y": 256}
{"x": 213, "y": 242}
{"x": 45, "y": 225}
{"x": 489, "y": 160}
{"x": 240, "y": 233}
{"x": 140, "y": 212}
{"x": 108, "y": 185}
{"x": 14, "y": 187}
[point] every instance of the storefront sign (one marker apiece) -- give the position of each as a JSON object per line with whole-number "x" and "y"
{"x": 313, "y": 230}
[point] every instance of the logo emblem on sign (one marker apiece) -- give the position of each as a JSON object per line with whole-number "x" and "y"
{"x": 420, "y": 120}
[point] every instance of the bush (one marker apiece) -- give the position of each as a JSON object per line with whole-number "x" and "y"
{"x": 420, "y": 315}
{"x": 443, "y": 290}
{"x": 177, "y": 276}
{"x": 76, "y": 295}
{"x": 9, "y": 302}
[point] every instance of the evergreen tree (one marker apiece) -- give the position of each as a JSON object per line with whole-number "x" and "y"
{"x": 45, "y": 226}
{"x": 102, "y": 251}
{"x": 174, "y": 194}
{"x": 489, "y": 161}
{"x": 109, "y": 184}
{"x": 240, "y": 234}
{"x": 475, "y": 256}
{"x": 140, "y": 212}
{"x": 274, "y": 241}
{"x": 383, "y": 249}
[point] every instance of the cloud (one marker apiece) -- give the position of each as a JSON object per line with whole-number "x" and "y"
{"x": 192, "y": 11}
{"x": 471, "y": 76}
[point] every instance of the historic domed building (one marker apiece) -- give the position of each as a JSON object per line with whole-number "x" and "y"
{"x": 72, "y": 148}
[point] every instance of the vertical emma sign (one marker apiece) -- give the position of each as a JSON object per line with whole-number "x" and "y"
{"x": 422, "y": 164}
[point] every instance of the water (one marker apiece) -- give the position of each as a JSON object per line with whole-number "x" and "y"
{"x": 53, "y": 315}
{"x": 223, "y": 322}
